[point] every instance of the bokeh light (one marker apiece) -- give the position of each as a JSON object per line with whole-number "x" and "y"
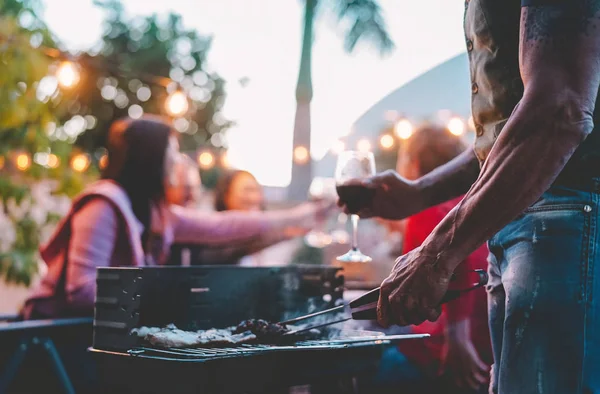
{"x": 177, "y": 104}
{"x": 301, "y": 155}
{"x": 67, "y": 74}
{"x": 103, "y": 162}
{"x": 80, "y": 162}
{"x": 23, "y": 161}
{"x": 456, "y": 126}
{"x": 53, "y": 161}
{"x": 206, "y": 160}
{"x": 404, "y": 129}
{"x": 386, "y": 141}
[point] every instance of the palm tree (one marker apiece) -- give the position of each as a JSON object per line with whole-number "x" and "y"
{"x": 365, "y": 22}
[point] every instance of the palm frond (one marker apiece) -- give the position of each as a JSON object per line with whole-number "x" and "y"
{"x": 366, "y": 23}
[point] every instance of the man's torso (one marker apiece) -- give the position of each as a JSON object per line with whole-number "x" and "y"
{"x": 492, "y": 41}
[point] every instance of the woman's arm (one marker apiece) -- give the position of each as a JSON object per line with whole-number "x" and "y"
{"x": 241, "y": 233}
{"x": 94, "y": 233}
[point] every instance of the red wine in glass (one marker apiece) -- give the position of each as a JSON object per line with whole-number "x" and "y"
{"x": 355, "y": 196}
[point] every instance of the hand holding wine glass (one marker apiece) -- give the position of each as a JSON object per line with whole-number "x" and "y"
{"x": 352, "y": 167}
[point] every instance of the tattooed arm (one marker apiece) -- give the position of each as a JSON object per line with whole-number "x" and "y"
{"x": 560, "y": 67}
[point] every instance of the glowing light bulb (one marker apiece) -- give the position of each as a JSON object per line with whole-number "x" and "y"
{"x": 80, "y": 162}
{"x": 456, "y": 126}
{"x": 23, "y": 161}
{"x": 301, "y": 154}
{"x": 67, "y": 74}
{"x": 177, "y": 104}
{"x": 2, "y": 161}
{"x": 386, "y": 141}
{"x": 225, "y": 162}
{"x": 103, "y": 162}
{"x": 404, "y": 129}
{"x": 53, "y": 161}
{"x": 206, "y": 160}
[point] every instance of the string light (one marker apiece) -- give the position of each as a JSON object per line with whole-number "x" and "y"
{"x": 225, "y": 160}
{"x": 363, "y": 145}
{"x": 386, "y": 141}
{"x": 404, "y": 129}
{"x": 53, "y": 161}
{"x": 67, "y": 75}
{"x": 80, "y": 162}
{"x": 206, "y": 160}
{"x": 456, "y": 126}
{"x": 2, "y": 161}
{"x": 23, "y": 161}
{"x": 301, "y": 155}
{"x": 177, "y": 104}
{"x": 103, "y": 162}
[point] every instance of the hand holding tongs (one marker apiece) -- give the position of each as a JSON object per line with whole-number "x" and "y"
{"x": 365, "y": 306}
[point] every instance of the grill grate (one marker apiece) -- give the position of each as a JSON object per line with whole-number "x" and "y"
{"x": 249, "y": 350}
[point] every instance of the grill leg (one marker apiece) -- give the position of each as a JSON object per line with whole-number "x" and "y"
{"x": 13, "y": 365}
{"x": 59, "y": 367}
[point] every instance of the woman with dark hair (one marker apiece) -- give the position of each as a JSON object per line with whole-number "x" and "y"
{"x": 238, "y": 190}
{"x": 125, "y": 220}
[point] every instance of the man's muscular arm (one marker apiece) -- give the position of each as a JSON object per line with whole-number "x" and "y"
{"x": 449, "y": 181}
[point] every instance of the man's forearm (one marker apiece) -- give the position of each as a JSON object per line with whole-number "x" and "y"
{"x": 527, "y": 157}
{"x": 450, "y": 180}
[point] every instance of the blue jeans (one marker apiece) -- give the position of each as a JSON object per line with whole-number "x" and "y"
{"x": 543, "y": 296}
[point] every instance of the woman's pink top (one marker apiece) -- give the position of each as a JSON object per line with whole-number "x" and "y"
{"x": 101, "y": 230}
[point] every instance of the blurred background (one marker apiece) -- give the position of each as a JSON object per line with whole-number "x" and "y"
{"x": 274, "y": 87}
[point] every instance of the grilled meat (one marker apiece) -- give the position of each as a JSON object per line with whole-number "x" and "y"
{"x": 253, "y": 330}
{"x": 262, "y": 328}
{"x": 172, "y": 337}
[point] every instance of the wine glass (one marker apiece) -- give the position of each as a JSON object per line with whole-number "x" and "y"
{"x": 320, "y": 189}
{"x": 353, "y": 166}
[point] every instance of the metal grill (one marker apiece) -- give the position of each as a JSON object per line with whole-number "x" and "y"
{"x": 201, "y": 354}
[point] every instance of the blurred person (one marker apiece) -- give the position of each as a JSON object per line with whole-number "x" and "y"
{"x": 459, "y": 348}
{"x": 125, "y": 219}
{"x": 532, "y": 184}
{"x": 187, "y": 190}
{"x": 238, "y": 190}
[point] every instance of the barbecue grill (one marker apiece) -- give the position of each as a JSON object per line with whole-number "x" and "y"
{"x": 129, "y": 298}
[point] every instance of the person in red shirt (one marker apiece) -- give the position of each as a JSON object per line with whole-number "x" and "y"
{"x": 458, "y": 354}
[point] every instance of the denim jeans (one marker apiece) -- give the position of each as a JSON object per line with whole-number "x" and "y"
{"x": 543, "y": 296}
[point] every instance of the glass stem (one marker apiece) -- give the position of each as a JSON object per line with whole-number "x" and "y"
{"x": 354, "y": 219}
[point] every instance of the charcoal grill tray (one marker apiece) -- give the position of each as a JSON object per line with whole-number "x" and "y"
{"x": 362, "y": 338}
{"x": 245, "y": 369}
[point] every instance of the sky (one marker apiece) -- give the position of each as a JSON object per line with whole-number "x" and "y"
{"x": 260, "y": 40}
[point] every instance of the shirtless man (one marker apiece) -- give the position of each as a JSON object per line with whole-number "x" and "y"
{"x": 532, "y": 184}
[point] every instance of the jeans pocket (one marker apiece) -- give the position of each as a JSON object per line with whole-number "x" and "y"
{"x": 559, "y": 207}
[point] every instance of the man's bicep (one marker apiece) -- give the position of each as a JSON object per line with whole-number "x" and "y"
{"x": 560, "y": 48}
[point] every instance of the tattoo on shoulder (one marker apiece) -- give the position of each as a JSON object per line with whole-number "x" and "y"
{"x": 563, "y": 21}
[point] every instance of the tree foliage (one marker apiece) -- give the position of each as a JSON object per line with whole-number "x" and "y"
{"x": 139, "y": 62}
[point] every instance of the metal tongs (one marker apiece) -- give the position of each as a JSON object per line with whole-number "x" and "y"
{"x": 365, "y": 306}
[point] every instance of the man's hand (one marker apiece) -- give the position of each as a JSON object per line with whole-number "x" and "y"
{"x": 461, "y": 363}
{"x": 413, "y": 291}
{"x": 394, "y": 197}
